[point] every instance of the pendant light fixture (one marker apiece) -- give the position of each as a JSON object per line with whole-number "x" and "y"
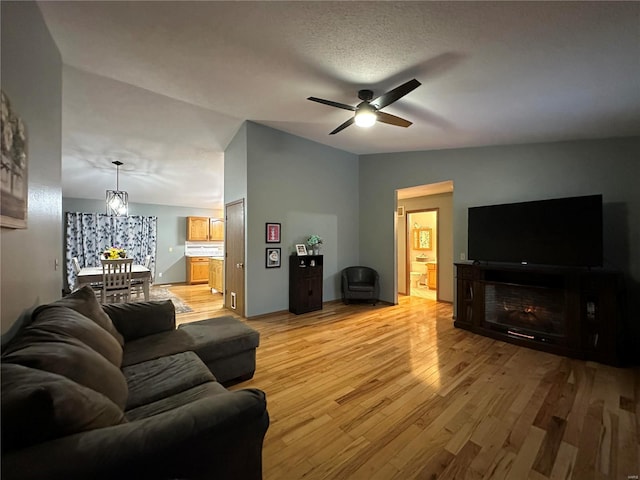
{"x": 117, "y": 200}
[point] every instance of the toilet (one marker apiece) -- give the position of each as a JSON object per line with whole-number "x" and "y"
{"x": 418, "y": 273}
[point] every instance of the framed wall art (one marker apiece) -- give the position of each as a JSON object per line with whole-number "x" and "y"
{"x": 272, "y": 232}
{"x": 14, "y": 185}
{"x": 272, "y": 257}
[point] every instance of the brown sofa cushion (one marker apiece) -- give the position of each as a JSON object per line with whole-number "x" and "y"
{"x": 165, "y": 376}
{"x": 58, "y": 320}
{"x": 141, "y": 319}
{"x": 38, "y": 406}
{"x": 156, "y": 346}
{"x": 67, "y": 356}
{"x": 85, "y": 302}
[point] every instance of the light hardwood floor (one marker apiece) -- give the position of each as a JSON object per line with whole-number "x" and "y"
{"x": 396, "y": 392}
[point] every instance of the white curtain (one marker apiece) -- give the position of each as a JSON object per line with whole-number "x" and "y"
{"x": 90, "y": 234}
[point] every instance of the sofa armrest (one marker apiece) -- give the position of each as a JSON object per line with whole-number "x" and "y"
{"x": 215, "y": 437}
{"x": 139, "y": 319}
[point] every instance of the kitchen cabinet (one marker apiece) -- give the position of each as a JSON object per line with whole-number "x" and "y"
{"x": 198, "y": 228}
{"x": 216, "y": 276}
{"x": 305, "y": 283}
{"x": 216, "y": 229}
{"x": 205, "y": 229}
{"x": 197, "y": 270}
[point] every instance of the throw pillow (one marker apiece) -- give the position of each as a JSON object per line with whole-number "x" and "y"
{"x": 85, "y": 302}
{"x": 64, "y": 322}
{"x": 69, "y": 357}
{"x": 38, "y": 406}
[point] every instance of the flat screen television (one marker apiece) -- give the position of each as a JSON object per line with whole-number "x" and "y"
{"x": 561, "y": 232}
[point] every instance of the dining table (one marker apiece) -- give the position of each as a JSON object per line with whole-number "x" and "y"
{"x": 93, "y": 275}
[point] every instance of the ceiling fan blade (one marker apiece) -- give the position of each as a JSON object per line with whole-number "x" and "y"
{"x": 332, "y": 104}
{"x": 343, "y": 126}
{"x": 395, "y": 94}
{"x": 392, "y": 119}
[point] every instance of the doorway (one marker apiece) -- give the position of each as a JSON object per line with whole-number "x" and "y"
{"x": 422, "y": 253}
{"x": 439, "y": 260}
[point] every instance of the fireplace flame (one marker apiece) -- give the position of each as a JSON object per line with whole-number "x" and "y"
{"x": 528, "y": 309}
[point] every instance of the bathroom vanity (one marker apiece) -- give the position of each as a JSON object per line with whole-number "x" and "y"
{"x": 432, "y": 275}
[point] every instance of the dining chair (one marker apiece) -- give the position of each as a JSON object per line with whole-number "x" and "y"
{"x": 137, "y": 286}
{"x": 76, "y": 265}
{"x": 96, "y": 286}
{"x": 116, "y": 280}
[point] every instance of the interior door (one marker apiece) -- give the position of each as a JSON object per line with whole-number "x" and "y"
{"x": 234, "y": 257}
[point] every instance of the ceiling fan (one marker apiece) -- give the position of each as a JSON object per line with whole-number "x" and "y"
{"x": 368, "y": 111}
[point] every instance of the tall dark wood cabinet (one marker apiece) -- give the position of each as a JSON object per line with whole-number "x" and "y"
{"x": 305, "y": 283}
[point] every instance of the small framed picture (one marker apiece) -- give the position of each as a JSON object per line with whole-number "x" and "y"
{"x": 273, "y": 232}
{"x": 301, "y": 249}
{"x": 272, "y": 257}
{"x": 401, "y": 211}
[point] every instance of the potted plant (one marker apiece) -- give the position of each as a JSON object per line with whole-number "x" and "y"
{"x": 113, "y": 253}
{"x": 314, "y": 242}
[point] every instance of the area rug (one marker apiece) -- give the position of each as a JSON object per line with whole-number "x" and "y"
{"x": 162, "y": 293}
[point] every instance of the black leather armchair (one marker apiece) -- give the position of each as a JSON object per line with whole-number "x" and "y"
{"x": 360, "y": 283}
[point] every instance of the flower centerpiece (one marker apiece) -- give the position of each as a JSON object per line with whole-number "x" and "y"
{"x": 314, "y": 242}
{"x": 113, "y": 253}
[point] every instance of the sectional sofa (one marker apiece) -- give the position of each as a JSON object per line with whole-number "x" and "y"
{"x": 86, "y": 395}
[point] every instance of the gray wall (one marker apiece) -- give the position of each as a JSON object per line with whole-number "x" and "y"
{"x": 310, "y": 189}
{"x": 32, "y": 80}
{"x": 502, "y": 174}
{"x": 235, "y": 167}
{"x": 172, "y": 232}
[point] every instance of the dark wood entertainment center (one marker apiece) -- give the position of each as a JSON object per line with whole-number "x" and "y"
{"x": 568, "y": 311}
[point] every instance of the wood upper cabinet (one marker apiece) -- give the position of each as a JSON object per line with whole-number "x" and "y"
{"x": 204, "y": 229}
{"x": 216, "y": 229}
{"x": 198, "y": 228}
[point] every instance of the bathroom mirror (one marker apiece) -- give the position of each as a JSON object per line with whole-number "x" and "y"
{"x": 422, "y": 239}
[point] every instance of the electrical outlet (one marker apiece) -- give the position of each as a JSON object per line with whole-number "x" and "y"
{"x": 170, "y": 249}
{"x": 160, "y": 275}
{"x": 463, "y": 256}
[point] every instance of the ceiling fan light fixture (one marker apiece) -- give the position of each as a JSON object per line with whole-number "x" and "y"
{"x": 369, "y": 111}
{"x": 365, "y": 116}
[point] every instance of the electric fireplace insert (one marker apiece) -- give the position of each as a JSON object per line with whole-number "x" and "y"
{"x": 568, "y": 311}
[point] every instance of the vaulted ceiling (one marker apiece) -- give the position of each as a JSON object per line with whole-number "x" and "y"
{"x": 164, "y": 86}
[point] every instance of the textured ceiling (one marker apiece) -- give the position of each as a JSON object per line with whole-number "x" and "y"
{"x": 164, "y": 86}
